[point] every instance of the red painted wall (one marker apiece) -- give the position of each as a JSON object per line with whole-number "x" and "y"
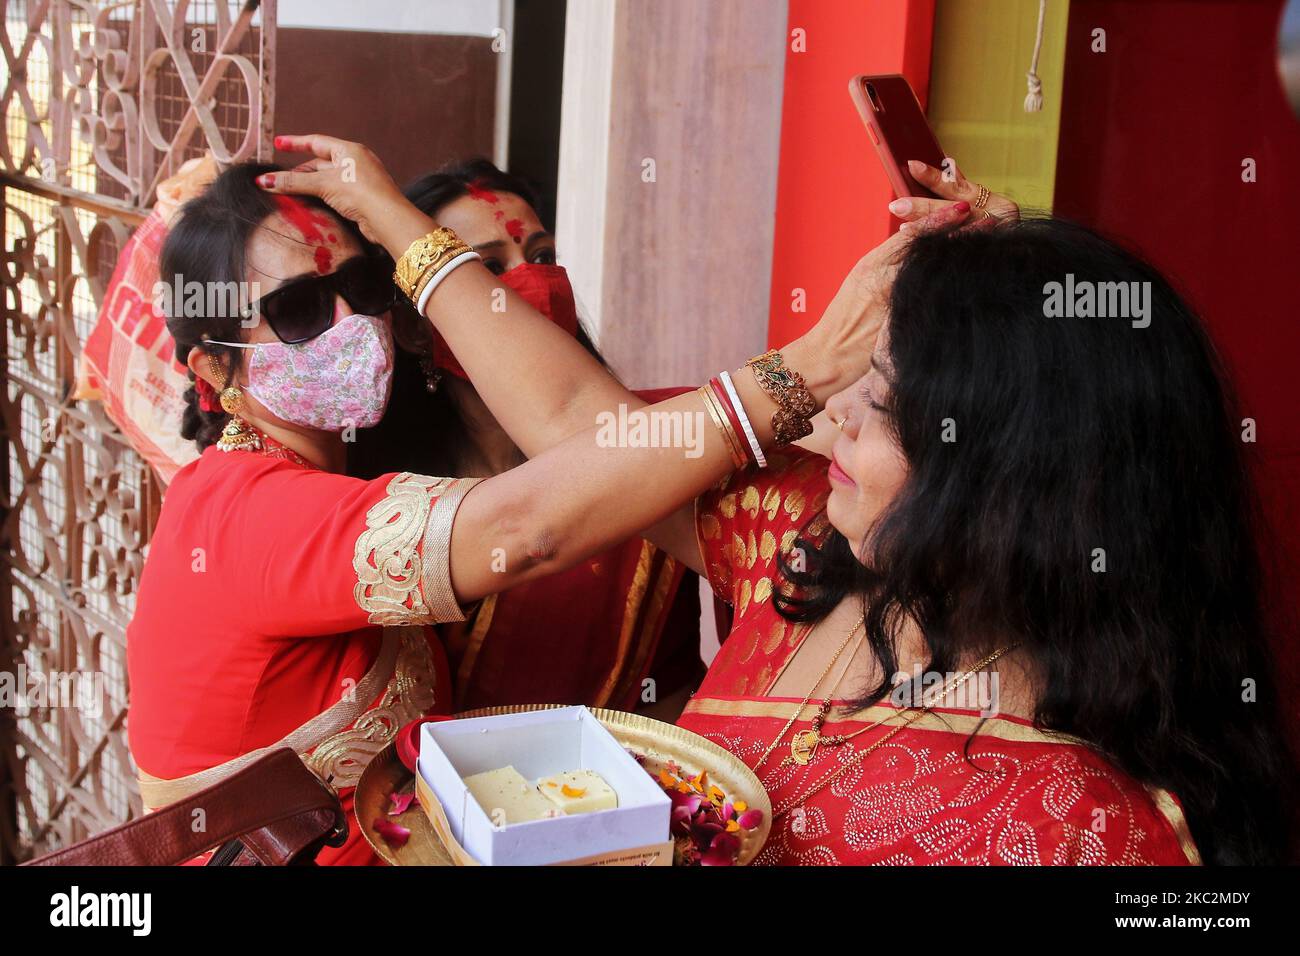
{"x": 831, "y": 191}
{"x": 1153, "y": 135}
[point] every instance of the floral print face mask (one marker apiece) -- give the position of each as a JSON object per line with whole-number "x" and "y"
{"x": 341, "y": 378}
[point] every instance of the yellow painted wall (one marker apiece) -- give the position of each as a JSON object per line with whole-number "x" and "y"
{"x": 982, "y": 50}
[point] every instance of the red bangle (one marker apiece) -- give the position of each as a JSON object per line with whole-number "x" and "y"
{"x": 733, "y": 419}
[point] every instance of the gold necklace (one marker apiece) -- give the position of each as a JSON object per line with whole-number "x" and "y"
{"x": 838, "y": 740}
{"x": 915, "y": 715}
{"x": 799, "y": 744}
{"x": 804, "y": 744}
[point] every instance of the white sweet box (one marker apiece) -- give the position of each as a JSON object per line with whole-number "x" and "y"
{"x": 538, "y": 744}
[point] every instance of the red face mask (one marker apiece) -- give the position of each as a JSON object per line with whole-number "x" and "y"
{"x": 546, "y": 288}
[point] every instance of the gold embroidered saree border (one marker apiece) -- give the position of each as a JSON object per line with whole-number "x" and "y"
{"x": 478, "y": 633}
{"x": 402, "y": 560}
{"x": 652, "y": 620}
{"x": 1173, "y": 814}
{"x": 436, "y": 551}
{"x": 940, "y": 720}
{"x": 631, "y": 607}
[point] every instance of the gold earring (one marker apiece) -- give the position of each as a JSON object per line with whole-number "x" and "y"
{"x": 232, "y": 399}
{"x": 232, "y": 396}
{"x": 238, "y": 435}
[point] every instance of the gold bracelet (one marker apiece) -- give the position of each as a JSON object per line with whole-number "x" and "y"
{"x": 424, "y": 257}
{"x": 795, "y": 405}
{"x": 720, "y": 419}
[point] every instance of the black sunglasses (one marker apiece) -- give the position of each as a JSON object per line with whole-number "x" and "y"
{"x": 300, "y": 310}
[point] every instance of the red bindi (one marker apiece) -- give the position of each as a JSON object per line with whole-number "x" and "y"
{"x": 516, "y": 229}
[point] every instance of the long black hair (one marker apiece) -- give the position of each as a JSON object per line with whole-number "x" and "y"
{"x": 413, "y": 410}
{"x": 1079, "y": 485}
{"x": 208, "y": 244}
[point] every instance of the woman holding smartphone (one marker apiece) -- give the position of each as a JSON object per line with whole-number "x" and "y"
{"x": 1017, "y": 619}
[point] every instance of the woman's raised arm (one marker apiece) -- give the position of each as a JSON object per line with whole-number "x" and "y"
{"x": 582, "y": 494}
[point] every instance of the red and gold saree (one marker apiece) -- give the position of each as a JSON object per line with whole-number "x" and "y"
{"x": 593, "y": 634}
{"x": 951, "y": 788}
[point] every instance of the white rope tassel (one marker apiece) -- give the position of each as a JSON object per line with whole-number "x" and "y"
{"x": 1034, "y": 99}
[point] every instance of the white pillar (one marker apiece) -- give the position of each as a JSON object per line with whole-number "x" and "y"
{"x": 673, "y": 274}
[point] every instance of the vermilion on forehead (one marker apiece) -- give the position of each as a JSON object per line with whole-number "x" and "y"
{"x": 477, "y": 191}
{"x": 316, "y": 228}
{"x": 514, "y": 227}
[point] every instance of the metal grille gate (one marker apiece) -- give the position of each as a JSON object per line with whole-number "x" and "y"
{"x": 102, "y": 100}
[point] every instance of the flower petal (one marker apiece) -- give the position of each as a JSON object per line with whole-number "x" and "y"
{"x": 751, "y": 819}
{"x": 723, "y": 852}
{"x": 399, "y": 803}
{"x": 394, "y": 834}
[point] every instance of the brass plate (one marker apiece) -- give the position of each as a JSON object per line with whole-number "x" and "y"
{"x": 383, "y": 776}
{"x": 655, "y": 740}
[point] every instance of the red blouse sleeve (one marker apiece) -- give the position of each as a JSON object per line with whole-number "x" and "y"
{"x": 753, "y": 517}
{"x": 320, "y": 553}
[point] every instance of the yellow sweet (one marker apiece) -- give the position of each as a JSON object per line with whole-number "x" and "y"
{"x": 578, "y": 791}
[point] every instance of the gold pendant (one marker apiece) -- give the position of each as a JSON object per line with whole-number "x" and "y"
{"x": 803, "y": 745}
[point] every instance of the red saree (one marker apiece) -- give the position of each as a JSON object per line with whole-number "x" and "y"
{"x": 590, "y": 635}
{"x": 275, "y": 594}
{"x": 933, "y": 794}
{"x": 594, "y": 634}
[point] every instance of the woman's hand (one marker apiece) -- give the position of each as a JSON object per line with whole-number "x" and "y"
{"x": 839, "y": 346}
{"x": 355, "y": 184}
{"x": 951, "y": 188}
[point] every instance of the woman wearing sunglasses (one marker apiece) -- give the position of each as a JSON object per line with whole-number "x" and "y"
{"x": 285, "y": 603}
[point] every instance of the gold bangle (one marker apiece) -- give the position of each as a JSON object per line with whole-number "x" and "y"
{"x": 795, "y": 405}
{"x": 434, "y": 268}
{"x": 424, "y": 257}
{"x": 709, "y": 404}
{"x": 720, "y": 419}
